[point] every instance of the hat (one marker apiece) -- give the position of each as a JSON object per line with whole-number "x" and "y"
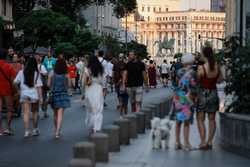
{"x": 187, "y": 58}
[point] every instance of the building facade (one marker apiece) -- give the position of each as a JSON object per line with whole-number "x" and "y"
{"x": 217, "y": 5}
{"x": 6, "y": 13}
{"x": 101, "y": 20}
{"x": 190, "y": 29}
{"x": 238, "y": 18}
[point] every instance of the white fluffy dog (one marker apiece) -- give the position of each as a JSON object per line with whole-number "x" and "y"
{"x": 160, "y": 133}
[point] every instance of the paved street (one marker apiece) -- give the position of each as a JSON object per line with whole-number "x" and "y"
{"x": 44, "y": 151}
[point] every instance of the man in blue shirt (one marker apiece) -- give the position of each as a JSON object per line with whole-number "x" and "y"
{"x": 49, "y": 62}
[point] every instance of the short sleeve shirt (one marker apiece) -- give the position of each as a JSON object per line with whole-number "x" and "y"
{"x": 49, "y": 63}
{"x": 29, "y": 91}
{"x": 5, "y": 86}
{"x": 72, "y": 70}
{"x": 135, "y": 71}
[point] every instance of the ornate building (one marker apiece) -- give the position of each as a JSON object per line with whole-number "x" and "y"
{"x": 190, "y": 29}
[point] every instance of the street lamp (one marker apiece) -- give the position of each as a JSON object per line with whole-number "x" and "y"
{"x": 241, "y": 21}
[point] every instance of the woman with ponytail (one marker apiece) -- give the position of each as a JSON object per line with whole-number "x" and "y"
{"x": 209, "y": 75}
{"x": 30, "y": 83}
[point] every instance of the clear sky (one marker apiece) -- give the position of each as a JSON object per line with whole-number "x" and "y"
{"x": 195, "y": 4}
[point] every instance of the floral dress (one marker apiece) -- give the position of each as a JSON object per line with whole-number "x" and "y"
{"x": 185, "y": 94}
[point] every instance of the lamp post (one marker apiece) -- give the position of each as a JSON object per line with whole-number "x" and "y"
{"x": 241, "y": 21}
{"x": 126, "y": 33}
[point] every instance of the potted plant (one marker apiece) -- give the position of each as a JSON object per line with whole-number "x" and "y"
{"x": 235, "y": 121}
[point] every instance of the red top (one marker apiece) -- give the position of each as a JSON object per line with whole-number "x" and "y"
{"x": 72, "y": 70}
{"x": 209, "y": 83}
{"x": 17, "y": 67}
{"x": 5, "y": 86}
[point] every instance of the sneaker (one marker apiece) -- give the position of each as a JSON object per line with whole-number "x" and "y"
{"x": 8, "y": 132}
{"x": 26, "y": 134}
{"x": 188, "y": 147}
{"x": 35, "y": 132}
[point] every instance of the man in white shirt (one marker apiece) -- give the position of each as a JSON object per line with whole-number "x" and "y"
{"x": 165, "y": 73}
{"x": 105, "y": 65}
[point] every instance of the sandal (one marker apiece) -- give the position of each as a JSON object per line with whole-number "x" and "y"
{"x": 188, "y": 147}
{"x": 203, "y": 147}
{"x": 209, "y": 146}
{"x": 178, "y": 146}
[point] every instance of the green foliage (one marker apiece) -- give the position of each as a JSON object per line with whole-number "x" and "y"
{"x": 178, "y": 55}
{"x": 140, "y": 49}
{"x": 46, "y": 28}
{"x": 219, "y": 56}
{"x": 123, "y": 8}
{"x": 67, "y": 7}
{"x": 85, "y": 41}
{"x": 237, "y": 61}
{"x": 67, "y": 48}
{"x": 113, "y": 46}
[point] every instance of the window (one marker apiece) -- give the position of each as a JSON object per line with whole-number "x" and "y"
{"x": 148, "y": 18}
{"x": 159, "y": 9}
{"x": 166, "y": 9}
{"x": 148, "y": 9}
{"x": 154, "y": 9}
{"x": 142, "y": 9}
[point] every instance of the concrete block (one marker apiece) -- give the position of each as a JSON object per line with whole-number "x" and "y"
{"x": 140, "y": 120}
{"x": 80, "y": 163}
{"x": 85, "y": 150}
{"x": 113, "y": 132}
{"x": 124, "y": 131}
{"x": 148, "y": 117}
{"x": 132, "y": 126}
{"x": 101, "y": 141}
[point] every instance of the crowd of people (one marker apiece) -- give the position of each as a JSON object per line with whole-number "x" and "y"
{"x": 41, "y": 81}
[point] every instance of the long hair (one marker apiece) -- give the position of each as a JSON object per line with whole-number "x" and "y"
{"x": 29, "y": 72}
{"x": 60, "y": 67}
{"x": 95, "y": 66}
{"x": 208, "y": 53}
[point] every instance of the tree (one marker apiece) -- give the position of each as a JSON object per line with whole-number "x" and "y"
{"x": 68, "y": 49}
{"x": 46, "y": 28}
{"x": 85, "y": 41}
{"x": 123, "y": 8}
{"x": 140, "y": 49}
{"x": 178, "y": 55}
{"x": 67, "y": 7}
{"x": 113, "y": 46}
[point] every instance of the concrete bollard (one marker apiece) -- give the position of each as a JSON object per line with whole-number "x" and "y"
{"x": 124, "y": 131}
{"x": 140, "y": 121}
{"x": 80, "y": 163}
{"x": 148, "y": 117}
{"x": 101, "y": 141}
{"x": 132, "y": 126}
{"x": 85, "y": 150}
{"x": 153, "y": 108}
{"x": 113, "y": 132}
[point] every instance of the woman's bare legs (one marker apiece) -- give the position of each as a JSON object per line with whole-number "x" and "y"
{"x": 202, "y": 127}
